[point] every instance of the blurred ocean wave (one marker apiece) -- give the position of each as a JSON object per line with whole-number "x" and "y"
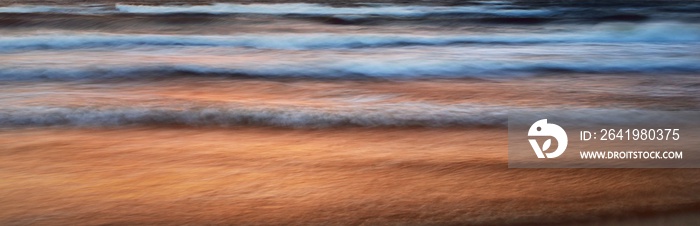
{"x": 319, "y": 112}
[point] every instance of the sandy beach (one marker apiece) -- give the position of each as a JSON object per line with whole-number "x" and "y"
{"x": 331, "y": 113}
{"x": 248, "y": 175}
{"x": 148, "y": 176}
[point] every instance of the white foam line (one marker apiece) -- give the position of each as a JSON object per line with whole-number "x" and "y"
{"x": 607, "y": 33}
{"x": 406, "y": 114}
{"x": 277, "y": 9}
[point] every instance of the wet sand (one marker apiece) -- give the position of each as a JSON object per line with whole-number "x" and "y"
{"x": 346, "y": 176}
{"x": 259, "y": 175}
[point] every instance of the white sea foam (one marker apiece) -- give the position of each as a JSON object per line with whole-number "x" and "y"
{"x": 393, "y": 115}
{"x": 483, "y": 61}
{"x": 87, "y": 9}
{"x": 278, "y": 9}
{"x": 606, "y": 33}
{"x": 319, "y": 9}
{"x": 346, "y": 70}
{"x": 409, "y": 114}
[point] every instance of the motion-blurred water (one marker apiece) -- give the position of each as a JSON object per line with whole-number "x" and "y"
{"x": 309, "y": 113}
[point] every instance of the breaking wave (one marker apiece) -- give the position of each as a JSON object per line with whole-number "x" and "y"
{"x": 610, "y": 33}
{"x": 404, "y": 69}
{"x": 385, "y": 115}
{"x": 406, "y": 114}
